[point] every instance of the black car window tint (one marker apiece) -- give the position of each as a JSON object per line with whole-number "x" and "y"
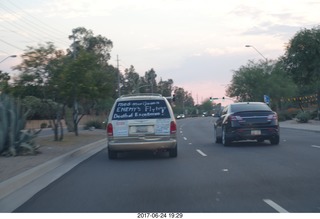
{"x": 249, "y": 107}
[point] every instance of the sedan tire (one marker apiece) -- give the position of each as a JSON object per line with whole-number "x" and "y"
{"x": 225, "y": 140}
{"x": 217, "y": 139}
{"x": 275, "y": 140}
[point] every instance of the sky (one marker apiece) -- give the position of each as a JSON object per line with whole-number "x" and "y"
{"x": 196, "y": 43}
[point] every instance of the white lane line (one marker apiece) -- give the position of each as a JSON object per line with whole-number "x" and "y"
{"x": 200, "y": 152}
{"x": 185, "y": 138}
{"x": 275, "y": 206}
{"x": 315, "y": 146}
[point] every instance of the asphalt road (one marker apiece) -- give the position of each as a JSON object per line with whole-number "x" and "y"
{"x": 205, "y": 177}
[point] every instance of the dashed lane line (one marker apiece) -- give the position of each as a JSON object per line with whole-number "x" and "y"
{"x": 275, "y": 206}
{"x": 200, "y": 152}
{"x": 315, "y": 146}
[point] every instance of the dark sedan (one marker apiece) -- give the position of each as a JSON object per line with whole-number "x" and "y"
{"x": 247, "y": 121}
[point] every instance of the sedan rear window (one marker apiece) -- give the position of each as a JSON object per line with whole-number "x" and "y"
{"x": 140, "y": 109}
{"x": 249, "y": 107}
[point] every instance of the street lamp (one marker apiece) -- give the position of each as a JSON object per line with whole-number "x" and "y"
{"x": 12, "y": 56}
{"x": 256, "y": 51}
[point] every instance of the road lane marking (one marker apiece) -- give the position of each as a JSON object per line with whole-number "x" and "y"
{"x": 275, "y": 206}
{"x": 315, "y": 146}
{"x": 200, "y": 152}
{"x": 185, "y": 138}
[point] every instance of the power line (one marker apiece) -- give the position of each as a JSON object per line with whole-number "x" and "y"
{"x": 10, "y": 44}
{"x": 44, "y": 25}
{"x": 29, "y": 24}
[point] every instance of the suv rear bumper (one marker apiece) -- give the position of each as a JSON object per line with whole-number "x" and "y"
{"x": 142, "y": 146}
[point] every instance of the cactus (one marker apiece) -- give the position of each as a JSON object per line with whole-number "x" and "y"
{"x": 12, "y": 122}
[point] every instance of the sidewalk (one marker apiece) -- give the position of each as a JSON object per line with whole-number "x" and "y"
{"x": 23, "y": 176}
{"x": 312, "y": 125}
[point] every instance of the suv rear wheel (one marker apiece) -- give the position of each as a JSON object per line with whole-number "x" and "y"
{"x": 173, "y": 152}
{"x": 112, "y": 154}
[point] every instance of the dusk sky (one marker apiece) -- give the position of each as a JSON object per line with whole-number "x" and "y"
{"x": 197, "y": 43}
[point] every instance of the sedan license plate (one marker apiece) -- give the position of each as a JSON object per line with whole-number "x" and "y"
{"x": 255, "y": 132}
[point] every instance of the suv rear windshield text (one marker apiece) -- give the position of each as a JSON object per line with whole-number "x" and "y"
{"x": 140, "y": 109}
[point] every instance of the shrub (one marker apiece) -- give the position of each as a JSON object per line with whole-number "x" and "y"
{"x": 292, "y": 113}
{"x": 43, "y": 125}
{"x": 95, "y": 123}
{"x": 303, "y": 117}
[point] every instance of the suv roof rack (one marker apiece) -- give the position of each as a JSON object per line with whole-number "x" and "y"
{"x": 142, "y": 94}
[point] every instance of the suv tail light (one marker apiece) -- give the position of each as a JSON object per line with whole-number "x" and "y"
{"x": 173, "y": 127}
{"x": 109, "y": 129}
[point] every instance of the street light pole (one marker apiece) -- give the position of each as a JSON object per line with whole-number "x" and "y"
{"x": 12, "y": 56}
{"x": 257, "y": 51}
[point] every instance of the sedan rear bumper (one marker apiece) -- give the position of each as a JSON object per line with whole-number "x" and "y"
{"x": 237, "y": 134}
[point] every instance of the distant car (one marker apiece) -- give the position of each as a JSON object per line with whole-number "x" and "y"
{"x": 247, "y": 121}
{"x": 143, "y": 122}
{"x": 180, "y": 116}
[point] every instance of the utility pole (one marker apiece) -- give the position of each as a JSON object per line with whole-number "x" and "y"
{"x": 75, "y": 93}
{"x": 119, "y": 93}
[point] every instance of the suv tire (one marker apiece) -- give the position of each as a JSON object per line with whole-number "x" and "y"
{"x": 112, "y": 154}
{"x": 173, "y": 152}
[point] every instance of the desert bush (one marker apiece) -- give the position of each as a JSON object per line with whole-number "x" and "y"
{"x": 303, "y": 117}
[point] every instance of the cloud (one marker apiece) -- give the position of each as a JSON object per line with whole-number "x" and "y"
{"x": 267, "y": 28}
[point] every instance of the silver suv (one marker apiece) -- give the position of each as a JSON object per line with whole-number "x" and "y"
{"x": 143, "y": 122}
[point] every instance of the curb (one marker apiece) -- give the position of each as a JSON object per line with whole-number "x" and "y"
{"x": 18, "y": 189}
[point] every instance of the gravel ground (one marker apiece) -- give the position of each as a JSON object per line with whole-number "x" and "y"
{"x": 49, "y": 149}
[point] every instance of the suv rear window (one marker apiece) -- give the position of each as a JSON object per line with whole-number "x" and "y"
{"x": 140, "y": 109}
{"x": 249, "y": 107}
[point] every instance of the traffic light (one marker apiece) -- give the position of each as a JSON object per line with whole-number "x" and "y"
{"x": 173, "y": 97}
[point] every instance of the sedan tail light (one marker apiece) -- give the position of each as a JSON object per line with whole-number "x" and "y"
{"x": 236, "y": 118}
{"x": 109, "y": 129}
{"x": 173, "y": 127}
{"x": 273, "y": 117}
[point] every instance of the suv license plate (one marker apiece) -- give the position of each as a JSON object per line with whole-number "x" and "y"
{"x": 255, "y": 132}
{"x": 142, "y": 129}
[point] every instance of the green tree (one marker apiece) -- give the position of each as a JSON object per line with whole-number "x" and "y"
{"x": 184, "y": 101}
{"x": 130, "y": 81}
{"x": 302, "y": 60}
{"x": 302, "y": 57}
{"x": 165, "y": 87}
{"x": 4, "y": 82}
{"x": 253, "y": 81}
{"x": 38, "y": 68}
{"x": 36, "y": 71}
{"x": 247, "y": 82}
{"x": 84, "y": 78}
